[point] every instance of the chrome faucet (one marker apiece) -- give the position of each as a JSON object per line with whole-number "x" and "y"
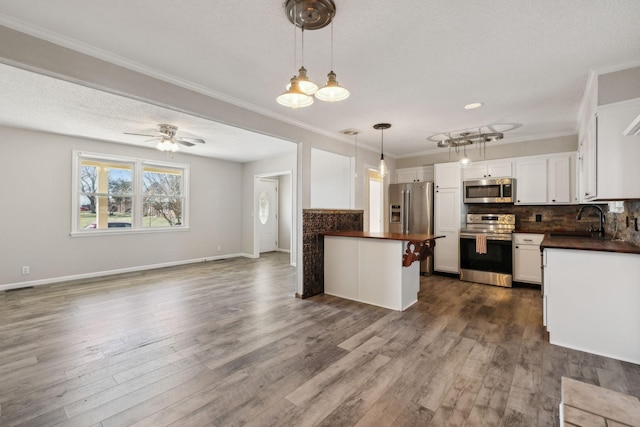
{"x": 600, "y": 230}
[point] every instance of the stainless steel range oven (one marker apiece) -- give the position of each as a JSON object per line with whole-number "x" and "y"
{"x": 485, "y": 249}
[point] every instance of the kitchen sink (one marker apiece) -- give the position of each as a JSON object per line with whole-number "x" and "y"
{"x": 575, "y": 234}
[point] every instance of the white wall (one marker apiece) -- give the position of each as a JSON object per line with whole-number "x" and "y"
{"x": 286, "y": 211}
{"x": 331, "y": 180}
{"x": 35, "y": 219}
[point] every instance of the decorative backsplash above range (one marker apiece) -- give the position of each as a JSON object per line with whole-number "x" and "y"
{"x": 547, "y": 218}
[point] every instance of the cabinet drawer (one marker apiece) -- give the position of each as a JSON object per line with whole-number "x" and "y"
{"x": 527, "y": 239}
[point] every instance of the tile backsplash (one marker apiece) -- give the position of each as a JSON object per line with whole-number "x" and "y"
{"x": 563, "y": 217}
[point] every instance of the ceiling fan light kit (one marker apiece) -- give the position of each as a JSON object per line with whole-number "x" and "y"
{"x": 311, "y": 15}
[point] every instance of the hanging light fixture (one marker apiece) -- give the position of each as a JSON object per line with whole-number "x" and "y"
{"x": 311, "y": 15}
{"x": 468, "y": 138}
{"x": 306, "y": 85}
{"x": 294, "y": 96}
{"x": 332, "y": 91}
{"x": 382, "y": 166}
{"x": 166, "y": 144}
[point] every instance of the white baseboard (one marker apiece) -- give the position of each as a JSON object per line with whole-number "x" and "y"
{"x": 287, "y": 251}
{"x": 52, "y": 280}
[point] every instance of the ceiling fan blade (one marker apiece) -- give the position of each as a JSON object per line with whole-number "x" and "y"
{"x": 186, "y": 143}
{"x": 141, "y": 134}
{"x": 198, "y": 140}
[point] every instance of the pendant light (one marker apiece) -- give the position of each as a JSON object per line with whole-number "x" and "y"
{"x": 382, "y": 166}
{"x": 295, "y": 97}
{"x": 332, "y": 91}
{"x": 306, "y": 85}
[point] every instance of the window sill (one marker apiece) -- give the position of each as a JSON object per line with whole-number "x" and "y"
{"x": 129, "y": 231}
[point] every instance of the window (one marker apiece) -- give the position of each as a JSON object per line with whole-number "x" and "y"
{"x": 114, "y": 194}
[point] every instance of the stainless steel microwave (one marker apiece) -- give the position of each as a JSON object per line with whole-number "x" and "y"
{"x": 497, "y": 190}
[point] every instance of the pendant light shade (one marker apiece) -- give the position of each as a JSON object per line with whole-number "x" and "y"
{"x": 332, "y": 91}
{"x": 294, "y": 97}
{"x": 383, "y": 170}
{"x": 306, "y": 85}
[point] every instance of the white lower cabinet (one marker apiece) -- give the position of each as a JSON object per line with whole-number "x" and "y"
{"x": 446, "y": 258}
{"x": 592, "y": 302}
{"x": 526, "y": 258}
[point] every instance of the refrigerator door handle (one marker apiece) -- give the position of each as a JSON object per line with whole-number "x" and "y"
{"x": 408, "y": 210}
{"x": 403, "y": 208}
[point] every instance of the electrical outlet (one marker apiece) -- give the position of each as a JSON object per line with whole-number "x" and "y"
{"x": 25, "y": 269}
{"x": 219, "y": 248}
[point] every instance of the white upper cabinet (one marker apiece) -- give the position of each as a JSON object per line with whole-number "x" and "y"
{"x": 559, "y": 180}
{"x": 610, "y": 161}
{"x": 546, "y": 180}
{"x": 419, "y": 174}
{"x": 531, "y": 181}
{"x": 447, "y": 175}
{"x": 488, "y": 169}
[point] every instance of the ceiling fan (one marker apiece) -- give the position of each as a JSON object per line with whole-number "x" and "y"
{"x": 167, "y": 139}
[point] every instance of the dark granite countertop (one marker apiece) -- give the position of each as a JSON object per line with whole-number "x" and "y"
{"x": 568, "y": 240}
{"x": 383, "y": 236}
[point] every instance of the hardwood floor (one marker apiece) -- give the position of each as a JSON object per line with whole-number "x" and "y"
{"x": 224, "y": 343}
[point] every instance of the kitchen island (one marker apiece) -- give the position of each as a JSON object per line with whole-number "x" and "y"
{"x": 381, "y": 269}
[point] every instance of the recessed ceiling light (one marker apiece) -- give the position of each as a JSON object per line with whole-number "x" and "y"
{"x": 473, "y": 106}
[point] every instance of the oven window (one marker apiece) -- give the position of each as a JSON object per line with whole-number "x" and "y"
{"x": 482, "y": 191}
{"x": 498, "y": 258}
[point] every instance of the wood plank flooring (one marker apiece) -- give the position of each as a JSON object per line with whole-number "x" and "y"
{"x": 224, "y": 343}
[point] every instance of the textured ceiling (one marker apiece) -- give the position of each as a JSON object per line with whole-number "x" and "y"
{"x": 414, "y": 63}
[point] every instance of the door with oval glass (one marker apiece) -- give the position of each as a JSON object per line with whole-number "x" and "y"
{"x": 267, "y": 209}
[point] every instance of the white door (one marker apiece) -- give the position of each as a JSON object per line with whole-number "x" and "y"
{"x": 267, "y": 210}
{"x": 374, "y": 202}
{"x": 375, "y": 206}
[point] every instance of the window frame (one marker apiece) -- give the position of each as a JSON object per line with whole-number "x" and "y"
{"x": 137, "y": 197}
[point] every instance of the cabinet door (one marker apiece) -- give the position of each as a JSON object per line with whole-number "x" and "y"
{"x": 425, "y": 173}
{"x": 499, "y": 169}
{"x": 446, "y": 253}
{"x": 447, "y": 223}
{"x": 617, "y": 154}
{"x": 447, "y": 210}
{"x": 588, "y": 177}
{"x": 527, "y": 264}
{"x": 475, "y": 171}
{"x": 406, "y": 175}
{"x": 559, "y": 180}
{"x": 531, "y": 181}
{"x": 447, "y": 175}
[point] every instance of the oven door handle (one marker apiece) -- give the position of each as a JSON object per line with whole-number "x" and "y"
{"x": 491, "y": 238}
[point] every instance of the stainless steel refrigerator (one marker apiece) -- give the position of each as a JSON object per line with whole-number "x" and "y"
{"x": 411, "y": 211}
